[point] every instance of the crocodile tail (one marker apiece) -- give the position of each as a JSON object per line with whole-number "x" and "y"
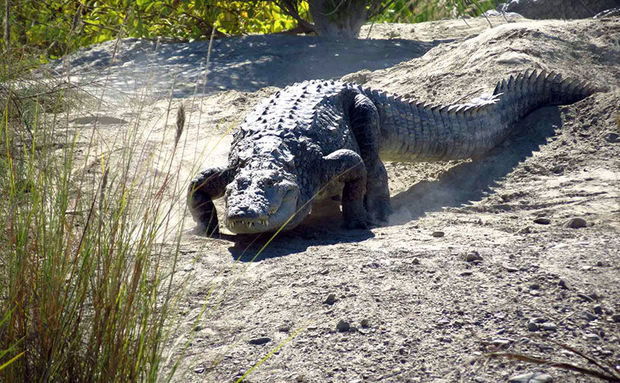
{"x": 419, "y": 132}
{"x": 519, "y": 96}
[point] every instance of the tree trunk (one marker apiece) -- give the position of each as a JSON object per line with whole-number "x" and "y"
{"x": 344, "y": 19}
{"x": 7, "y": 24}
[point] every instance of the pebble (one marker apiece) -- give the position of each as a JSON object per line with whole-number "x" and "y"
{"x": 562, "y": 284}
{"x": 612, "y": 137}
{"x": 501, "y": 342}
{"x": 549, "y": 326}
{"x": 260, "y": 341}
{"x": 585, "y": 297}
{"x": 199, "y": 369}
{"x": 532, "y": 326}
{"x": 542, "y": 221}
{"x": 473, "y": 256}
{"x": 616, "y": 317}
{"x": 589, "y": 316}
{"x": 576, "y": 223}
{"x": 343, "y": 326}
{"x": 525, "y": 230}
{"x": 531, "y": 377}
{"x": 365, "y": 323}
{"x": 443, "y": 322}
{"x": 510, "y": 269}
{"x": 438, "y": 234}
{"x": 415, "y": 261}
{"x": 331, "y": 299}
{"x": 592, "y": 337}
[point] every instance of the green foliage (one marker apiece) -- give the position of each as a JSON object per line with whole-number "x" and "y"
{"x": 57, "y": 27}
{"x": 53, "y": 28}
{"x": 417, "y": 11}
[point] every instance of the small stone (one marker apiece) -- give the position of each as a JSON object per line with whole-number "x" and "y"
{"x": 466, "y": 273}
{"x": 343, "y": 326}
{"x": 589, "y": 316}
{"x": 365, "y": 323}
{"x": 549, "y": 326}
{"x": 438, "y": 234}
{"x": 260, "y": 341}
{"x": 473, "y": 256}
{"x": 598, "y": 309}
{"x": 535, "y": 286}
{"x": 531, "y": 377}
{"x": 576, "y": 223}
{"x": 542, "y": 221}
{"x": 585, "y": 297}
{"x": 616, "y": 317}
{"x": 525, "y": 230}
{"x": 562, "y": 284}
{"x": 532, "y": 326}
{"x": 501, "y": 342}
{"x": 415, "y": 261}
{"x": 331, "y": 299}
{"x": 199, "y": 369}
{"x": 612, "y": 137}
{"x": 510, "y": 269}
{"x": 443, "y": 322}
{"x": 592, "y": 337}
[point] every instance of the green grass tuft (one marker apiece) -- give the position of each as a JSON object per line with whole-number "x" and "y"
{"x": 84, "y": 293}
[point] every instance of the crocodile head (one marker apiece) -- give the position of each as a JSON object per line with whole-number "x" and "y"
{"x": 262, "y": 201}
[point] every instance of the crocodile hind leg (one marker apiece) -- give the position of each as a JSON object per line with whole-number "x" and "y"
{"x": 364, "y": 121}
{"x": 207, "y": 186}
{"x": 348, "y": 167}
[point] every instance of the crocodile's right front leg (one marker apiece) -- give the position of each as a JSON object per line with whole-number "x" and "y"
{"x": 348, "y": 167}
{"x": 207, "y": 186}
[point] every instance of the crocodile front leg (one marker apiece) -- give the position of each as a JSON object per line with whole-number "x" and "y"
{"x": 348, "y": 167}
{"x": 207, "y": 186}
{"x": 364, "y": 121}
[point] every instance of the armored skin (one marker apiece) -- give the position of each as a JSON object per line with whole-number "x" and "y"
{"x": 318, "y": 139}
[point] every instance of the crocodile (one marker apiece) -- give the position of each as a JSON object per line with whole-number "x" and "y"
{"x": 323, "y": 139}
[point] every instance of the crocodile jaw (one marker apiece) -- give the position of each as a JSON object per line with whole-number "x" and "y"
{"x": 280, "y": 214}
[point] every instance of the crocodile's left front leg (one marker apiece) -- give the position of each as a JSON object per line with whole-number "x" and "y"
{"x": 364, "y": 121}
{"x": 346, "y": 166}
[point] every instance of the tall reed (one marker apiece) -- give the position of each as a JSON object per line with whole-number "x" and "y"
{"x": 84, "y": 292}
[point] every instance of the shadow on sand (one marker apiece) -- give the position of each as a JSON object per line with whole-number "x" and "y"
{"x": 472, "y": 181}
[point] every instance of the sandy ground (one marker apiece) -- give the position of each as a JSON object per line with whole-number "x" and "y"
{"x": 463, "y": 268}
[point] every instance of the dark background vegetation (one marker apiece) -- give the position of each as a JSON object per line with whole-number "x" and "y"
{"x": 53, "y": 28}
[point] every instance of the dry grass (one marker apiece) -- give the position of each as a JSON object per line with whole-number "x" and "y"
{"x": 85, "y": 294}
